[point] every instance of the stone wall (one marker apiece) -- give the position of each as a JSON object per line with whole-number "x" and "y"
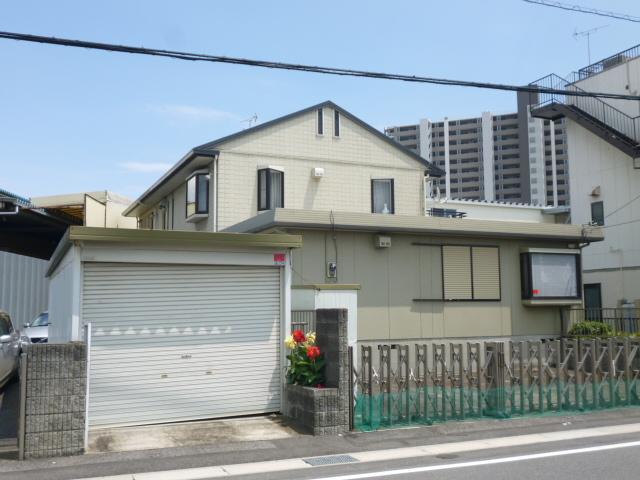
{"x": 53, "y": 388}
{"x": 325, "y": 411}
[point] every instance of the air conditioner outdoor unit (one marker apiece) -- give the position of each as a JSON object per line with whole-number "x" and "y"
{"x": 382, "y": 241}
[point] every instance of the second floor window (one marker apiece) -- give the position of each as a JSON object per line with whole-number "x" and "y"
{"x": 197, "y": 194}
{"x": 597, "y": 213}
{"x": 270, "y": 189}
{"x": 382, "y": 196}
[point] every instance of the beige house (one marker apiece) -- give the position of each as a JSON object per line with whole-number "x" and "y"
{"x": 360, "y": 202}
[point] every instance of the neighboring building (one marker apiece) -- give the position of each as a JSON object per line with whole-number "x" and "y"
{"x": 518, "y": 150}
{"x": 604, "y": 151}
{"x": 359, "y": 200}
{"x": 24, "y": 289}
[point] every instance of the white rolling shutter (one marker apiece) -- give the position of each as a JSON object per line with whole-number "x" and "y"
{"x": 456, "y": 272}
{"x": 181, "y": 342}
{"x": 486, "y": 273}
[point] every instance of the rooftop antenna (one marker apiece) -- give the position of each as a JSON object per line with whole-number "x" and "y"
{"x": 587, "y": 33}
{"x": 251, "y": 120}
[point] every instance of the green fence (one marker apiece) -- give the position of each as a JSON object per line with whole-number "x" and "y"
{"x": 399, "y": 385}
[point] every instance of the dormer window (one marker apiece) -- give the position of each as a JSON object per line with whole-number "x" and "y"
{"x": 198, "y": 194}
{"x": 270, "y": 189}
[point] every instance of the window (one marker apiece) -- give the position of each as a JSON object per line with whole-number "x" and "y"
{"x": 382, "y": 196}
{"x": 320, "y": 122}
{"x": 336, "y": 124}
{"x": 550, "y": 275}
{"x": 197, "y": 194}
{"x": 470, "y": 273}
{"x": 270, "y": 189}
{"x": 597, "y": 213}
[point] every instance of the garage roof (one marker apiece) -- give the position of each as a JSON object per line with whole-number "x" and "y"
{"x": 416, "y": 224}
{"x": 171, "y": 237}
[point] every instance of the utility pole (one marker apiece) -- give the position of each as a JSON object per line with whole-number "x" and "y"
{"x": 588, "y": 33}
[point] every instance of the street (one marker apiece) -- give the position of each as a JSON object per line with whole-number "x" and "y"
{"x": 9, "y": 405}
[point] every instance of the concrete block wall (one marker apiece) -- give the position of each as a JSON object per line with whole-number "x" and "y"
{"x": 325, "y": 411}
{"x": 54, "y": 397}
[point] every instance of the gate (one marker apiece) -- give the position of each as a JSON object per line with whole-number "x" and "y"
{"x": 398, "y": 384}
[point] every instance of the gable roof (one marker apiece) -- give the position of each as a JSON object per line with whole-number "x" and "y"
{"x": 210, "y": 149}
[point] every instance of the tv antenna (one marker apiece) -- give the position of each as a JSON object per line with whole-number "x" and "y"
{"x": 587, "y": 33}
{"x": 251, "y": 120}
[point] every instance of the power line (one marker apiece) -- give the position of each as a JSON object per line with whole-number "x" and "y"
{"x": 591, "y": 11}
{"x": 302, "y": 67}
{"x": 622, "y": 206}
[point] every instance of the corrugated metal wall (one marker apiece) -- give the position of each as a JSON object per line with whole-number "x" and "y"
{"x": 24, "y": 290}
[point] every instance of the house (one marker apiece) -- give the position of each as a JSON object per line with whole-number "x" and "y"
{"x": 359, "y": 200}
{"x": 604, "y": 170}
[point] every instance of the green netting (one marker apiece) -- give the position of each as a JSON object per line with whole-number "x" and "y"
{"x": 428, "y": 405}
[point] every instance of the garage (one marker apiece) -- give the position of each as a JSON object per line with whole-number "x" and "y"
{"x": 179, "y": 325}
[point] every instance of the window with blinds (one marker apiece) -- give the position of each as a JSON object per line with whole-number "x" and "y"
{"x": 470, "y": 273}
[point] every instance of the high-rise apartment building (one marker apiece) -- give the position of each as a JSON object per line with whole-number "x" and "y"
{"x": 512, "y": 157}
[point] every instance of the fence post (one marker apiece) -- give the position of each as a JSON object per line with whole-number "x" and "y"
{"x": 23, "y": 406}
{"x": 627, "y": 371}
{"x": 496, "y": 373}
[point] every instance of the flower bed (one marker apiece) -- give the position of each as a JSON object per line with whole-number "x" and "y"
{"x": 306, "y": 362}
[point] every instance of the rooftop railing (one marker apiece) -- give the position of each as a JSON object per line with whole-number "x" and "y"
{"x": 609, "y": 62}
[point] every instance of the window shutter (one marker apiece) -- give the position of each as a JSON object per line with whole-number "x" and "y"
{"x": 456, "y": 265}
{"x": 486, "y": 273}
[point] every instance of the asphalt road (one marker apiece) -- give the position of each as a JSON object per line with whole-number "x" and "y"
{"x": 448, "y": 447}
{"x": 617, "y": 463}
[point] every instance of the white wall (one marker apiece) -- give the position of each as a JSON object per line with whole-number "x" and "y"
{"x": 622, "y": 79}
{"x": 595, "y": 163}
{"x": 24, "y": 290}
{"x": 63, "y": 301}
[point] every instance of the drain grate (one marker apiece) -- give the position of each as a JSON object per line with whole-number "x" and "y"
{"x": 329, "y": 460}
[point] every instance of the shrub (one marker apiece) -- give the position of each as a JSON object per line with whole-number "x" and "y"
{"x": 306, "y": 362}
{"x": 591, "y": 329}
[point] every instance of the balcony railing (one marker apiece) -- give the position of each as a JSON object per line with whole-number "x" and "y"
{"x": 594, "y": 107}
{"x": 445, "y": 213}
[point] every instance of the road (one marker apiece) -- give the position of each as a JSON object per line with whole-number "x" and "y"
{"x": 611, "y": 458}
{"x": 604, "y": 445}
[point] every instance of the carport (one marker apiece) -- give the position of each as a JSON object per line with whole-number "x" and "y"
{"x": 179, "y": 325}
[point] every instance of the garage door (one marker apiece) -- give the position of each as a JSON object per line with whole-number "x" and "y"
{"x": 181, "y": 342}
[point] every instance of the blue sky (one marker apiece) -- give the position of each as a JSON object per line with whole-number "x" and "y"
{"x": 78, "y": 120}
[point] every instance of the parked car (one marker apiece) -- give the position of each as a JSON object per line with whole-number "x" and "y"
{"x": 9, "y": 348}
{"x": 37, "y": 331}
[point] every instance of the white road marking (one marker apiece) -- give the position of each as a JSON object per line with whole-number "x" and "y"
{"x": 381, "y": 455}
{"x": 477, "y": 463}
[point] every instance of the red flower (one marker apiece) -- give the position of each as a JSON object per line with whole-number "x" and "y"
{"x": 299, "y": 336}
{"x": 313, "y": 352}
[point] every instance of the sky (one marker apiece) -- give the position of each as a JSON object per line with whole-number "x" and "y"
{"x": 76, "y": 120}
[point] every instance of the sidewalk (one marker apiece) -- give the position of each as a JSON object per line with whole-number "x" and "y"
{"x": 233, "y": 453}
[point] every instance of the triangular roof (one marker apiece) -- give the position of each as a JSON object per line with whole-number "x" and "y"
{"x": 210, "y": 149}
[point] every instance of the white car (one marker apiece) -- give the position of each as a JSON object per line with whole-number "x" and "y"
{"x": 38, "y": 330}
{"x": 9, "y": 348}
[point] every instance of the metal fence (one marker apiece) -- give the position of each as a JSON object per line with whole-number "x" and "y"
{"x": 304, "y": 320}
{"x": 422, "y": 384}
{"x": 625, "y": 319}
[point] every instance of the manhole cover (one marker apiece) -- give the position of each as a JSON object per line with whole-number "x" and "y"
{"x": 329, "y": 460}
